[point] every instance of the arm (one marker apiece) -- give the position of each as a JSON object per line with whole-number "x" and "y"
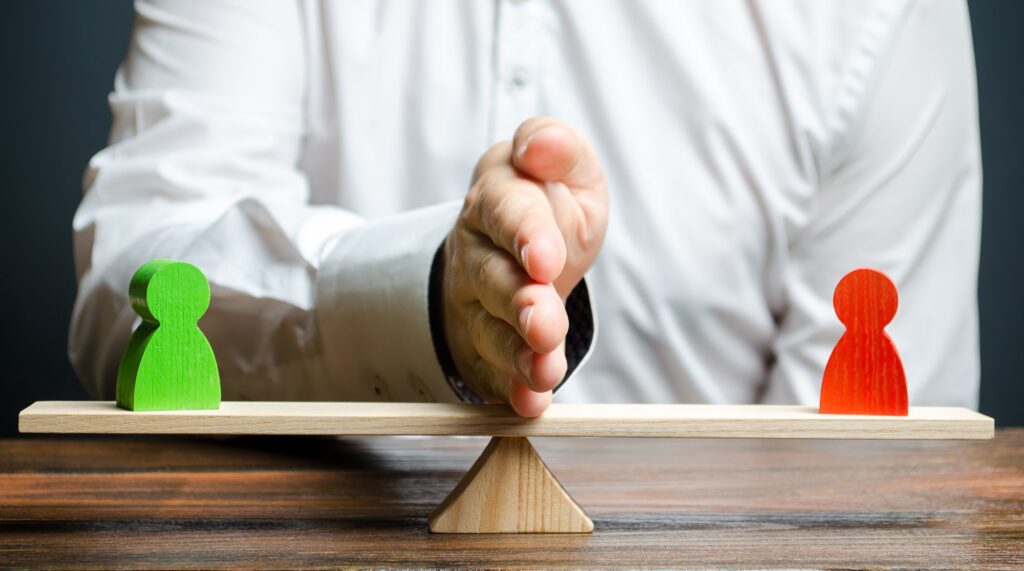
{"x": 900, "y": 191}
{"x": 309, "y": 302}
{"x": 208, "y": 126}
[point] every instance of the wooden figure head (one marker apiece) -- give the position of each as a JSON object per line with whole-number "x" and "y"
{"x": 168, "y": 291}
{"x": 865, "y": 299}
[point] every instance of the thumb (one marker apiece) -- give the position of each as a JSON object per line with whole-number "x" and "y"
{"x": 549, "y": 150}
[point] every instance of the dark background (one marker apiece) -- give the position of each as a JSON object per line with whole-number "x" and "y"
{"x": 57, "y": 64}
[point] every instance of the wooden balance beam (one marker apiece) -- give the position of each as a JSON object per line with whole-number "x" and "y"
{"x": 509, "y": 489}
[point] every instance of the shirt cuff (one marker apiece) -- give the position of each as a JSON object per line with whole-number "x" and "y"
{"x": 372, "y": 308}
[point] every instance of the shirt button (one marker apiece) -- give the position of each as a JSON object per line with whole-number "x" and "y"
{"x": 520, "y": 78}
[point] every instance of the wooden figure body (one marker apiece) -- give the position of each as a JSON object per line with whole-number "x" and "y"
{"x": 168, "y": 364}
{"x": 864, "y": 374}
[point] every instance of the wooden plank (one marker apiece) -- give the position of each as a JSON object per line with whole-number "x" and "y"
{"x": 607, "y": 420}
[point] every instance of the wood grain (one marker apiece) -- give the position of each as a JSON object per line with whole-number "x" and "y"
{"x": 864, "y": 373}
{"x": 168, "y": 363}
{"x": 630, "y": 420}
{"x": 314, "y": 502}
{"x": 509, "y": 490}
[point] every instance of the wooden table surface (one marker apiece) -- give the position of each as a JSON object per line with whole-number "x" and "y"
{"x": 324, "y": 502}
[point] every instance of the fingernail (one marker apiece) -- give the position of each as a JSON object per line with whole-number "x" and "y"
{"x": 522, "y": 256}
{"x": 524, "y": 318}
{"x": 524, "y": 362}
{"x": 522, "y": 148}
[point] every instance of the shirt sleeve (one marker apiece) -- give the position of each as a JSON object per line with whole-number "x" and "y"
{"x": 900, "y": 190}
{"x": 208, "y": 126}
{"x": 309, "y": 302}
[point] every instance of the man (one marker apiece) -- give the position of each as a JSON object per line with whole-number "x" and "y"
{"x": 729, "y": 160}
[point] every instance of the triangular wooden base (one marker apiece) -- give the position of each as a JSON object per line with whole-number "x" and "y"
{"x": 509, "y": 490}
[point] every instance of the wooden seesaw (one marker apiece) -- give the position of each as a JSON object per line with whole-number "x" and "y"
{"x": 509, "y": 489}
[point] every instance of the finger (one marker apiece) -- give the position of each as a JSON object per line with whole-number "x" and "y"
{"x": 495, "y": 386}
{"x": 489, "y": 383}
{"x": 498, "y": 158}
{"x": 497, "y": 343}
{"x": 548, "y": 369}
{"x": 524, "y": 402}
{"x": 502, "y": 287}
{"x": 527, "y": 403}
{"x": 516, "y": 216}
{"x": 550, "y": 150}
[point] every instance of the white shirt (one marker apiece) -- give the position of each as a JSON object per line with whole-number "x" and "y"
{"x": 310, "y": 156}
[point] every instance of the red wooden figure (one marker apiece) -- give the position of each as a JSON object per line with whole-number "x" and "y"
{"x": 864, "y": 374}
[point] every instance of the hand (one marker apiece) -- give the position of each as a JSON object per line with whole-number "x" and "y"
{"x": 531, "y": 226}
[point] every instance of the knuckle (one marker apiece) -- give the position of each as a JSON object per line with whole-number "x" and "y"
{"x": 455, "y": 261}
{"x": 489, "y": 267}
{"x": 500, "y": 151}
{"x": 495, "y": 343}
{"x": 479, "y": 325}
{"x": 478, "y": 192}
{"x": 510, "y": 346}
{"x": 498, "y": 214}
{"x": 489, "y": 196}
{"x": 486, "y": 182}
{"x": 464, "y": 232}
{"x": 456, "y": 270}
{"x": 498, "y": 386}
{"x": 469, "y": 202}
{"x": 507, "y": 299}
{"x": 487, "y": 159}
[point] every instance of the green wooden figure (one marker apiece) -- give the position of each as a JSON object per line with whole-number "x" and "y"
{"x": 168, "y": 364}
